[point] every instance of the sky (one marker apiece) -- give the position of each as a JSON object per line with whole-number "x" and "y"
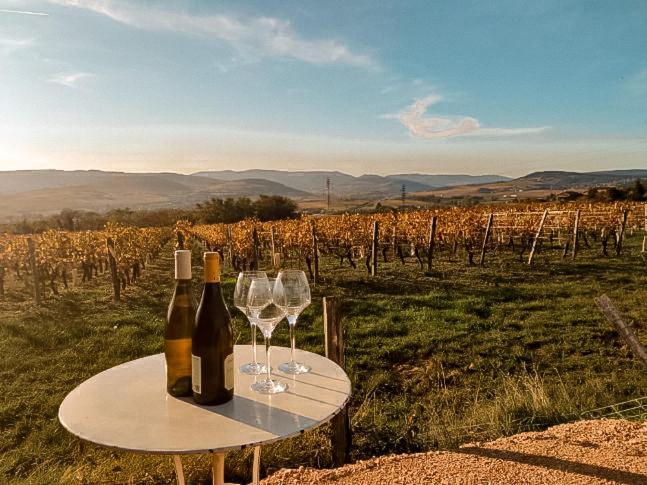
{"x": 479, "y": 87}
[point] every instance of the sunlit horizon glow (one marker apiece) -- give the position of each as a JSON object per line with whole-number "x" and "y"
{"x": 504, "y": 89}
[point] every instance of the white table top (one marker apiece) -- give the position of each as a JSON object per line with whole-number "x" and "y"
{"x": 127, "y": 407}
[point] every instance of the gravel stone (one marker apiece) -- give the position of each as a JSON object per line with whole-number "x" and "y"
{"x": 604, "y": 451}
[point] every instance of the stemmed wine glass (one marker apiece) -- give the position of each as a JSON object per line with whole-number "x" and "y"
{"x": 292, "y": 295}
{"x": 243, "y": 283}
{"x": 260, "y": 297}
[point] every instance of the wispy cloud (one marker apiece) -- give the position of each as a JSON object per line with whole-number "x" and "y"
{"x": 415, "y": 118}
{"x": 23, "y": 12}
{"x": 70, "y": 80}
{"x": 637, "y": 84}
{"x": 250, "y": 36}
{"x": 9, "y": 45}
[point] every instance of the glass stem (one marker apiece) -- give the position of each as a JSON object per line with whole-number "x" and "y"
{"x": 293, "y": 340}
{"x": 254, "y": 342}
{"x": 267, "y": 352}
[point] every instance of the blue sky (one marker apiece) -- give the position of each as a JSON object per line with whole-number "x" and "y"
{"x": 479, "y": 87}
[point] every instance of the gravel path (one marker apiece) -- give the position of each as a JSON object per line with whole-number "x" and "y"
{"x": 587, "y": 452}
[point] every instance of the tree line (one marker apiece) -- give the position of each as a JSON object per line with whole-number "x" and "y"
{"x": 212, "y": 211}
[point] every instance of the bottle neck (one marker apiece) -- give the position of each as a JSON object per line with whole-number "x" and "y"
{"x": 182, "y": 287}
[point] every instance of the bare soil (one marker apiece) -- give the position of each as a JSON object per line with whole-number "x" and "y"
{"x": 587, "y": 452}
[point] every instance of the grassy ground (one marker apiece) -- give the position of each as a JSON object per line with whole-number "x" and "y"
{"x": 465, "y": 353}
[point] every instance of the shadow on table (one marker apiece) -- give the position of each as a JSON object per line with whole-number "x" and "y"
{"x": 594, "y": 471}
{"x": 259, "y": 415}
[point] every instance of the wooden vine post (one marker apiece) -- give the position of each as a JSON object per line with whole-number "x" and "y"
{"x": 621, "y": 235}
{"x": 374, "y": 248}
{"x": 33, "y": 267}
{"x": 613, "y": 315}
{"x": 334, "y": 346}
{"x": 112, "y": 262}
{"x": 273, "y": 248}
{"x": 488, "y": 230}
{"x": 256, "y": 248}
{"x": 432, "y": 242}
{"x": 315, "y": 253}
{"x": 537, "y": 236}
{"x": 576, "y": 233}
{"x": 230, "y": 251}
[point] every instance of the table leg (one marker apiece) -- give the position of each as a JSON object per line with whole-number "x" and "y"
{"x": 257, "y": 465}
{"x": 218, "y": 468}
{"x": 179, "y": 471}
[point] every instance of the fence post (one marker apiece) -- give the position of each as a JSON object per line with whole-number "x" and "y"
{"x": 315, "y": 252}
{"x": 623, "y": 225}
{"x": 488, "y": 228}
{"x": 432, "y": 242}
{"x": 645, "y": 230}
{"x": 374, "y": 246}
{"x": 576, "y": 233}
{"x": 534, "y": 242}
{"x": 34, "y": 271}
{"x": 112, "y": 261}
{"x": 334, "y": 346}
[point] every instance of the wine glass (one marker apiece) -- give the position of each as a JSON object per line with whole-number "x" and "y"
{"x": 243, "y": 283}
{"x": 292, "y": 295}
{"x": 261, "y": 296}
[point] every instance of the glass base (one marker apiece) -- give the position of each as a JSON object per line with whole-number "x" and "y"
{"x": 294, "y": 368}
{"x": 269, "y": 386}
{"x": 253, "y": 369}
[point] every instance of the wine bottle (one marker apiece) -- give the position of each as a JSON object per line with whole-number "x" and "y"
{"x": 212, "y": 359}
{"x": 179, "y": 329}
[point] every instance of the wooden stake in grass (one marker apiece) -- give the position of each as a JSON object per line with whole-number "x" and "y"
{"x": 621, "y": 235}
{"x": 334, "y": 346}
{"x": 374, "y": 248}
{"x": 488, "y": 229}
{"x": 432, "y": 242}
{"x": 256, "y": 261}
{"x": 272, "y": 248}
{"x": 613, "y": 315}
{"x": 315, "y": 253}
{"x": 34, "y": 271}
{"x": 576, "y": 233}
{"x": 537, "y": 236}
{"x": 112, "y": 262}
{"x": 645, "y": 236}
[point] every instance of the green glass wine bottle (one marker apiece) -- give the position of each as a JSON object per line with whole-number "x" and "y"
{"x": 212, "y": 358}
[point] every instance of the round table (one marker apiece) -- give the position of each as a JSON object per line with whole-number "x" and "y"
{"x": 127, "y": 407}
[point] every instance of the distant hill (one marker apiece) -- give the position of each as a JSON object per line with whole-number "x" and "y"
{"x": 28, "y": 193}
{"x": 567, "y": 180}
{"x": 344, "y": 185}
{"x": 31, "y": 192}
{"x": 540, "y": 184}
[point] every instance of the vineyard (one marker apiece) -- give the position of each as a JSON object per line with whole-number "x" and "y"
{"x": 522, "y": 230}
{"x": 56, "y": 258}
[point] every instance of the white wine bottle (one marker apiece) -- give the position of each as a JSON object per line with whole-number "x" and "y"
{"x": 179, "y": 329}
{"x": 212, "y": 359}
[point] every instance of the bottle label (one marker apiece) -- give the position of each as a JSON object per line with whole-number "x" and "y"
{"x": 178, "y": 360}
{"x": 196, "y": 375}
{"x": 229, "y": 372}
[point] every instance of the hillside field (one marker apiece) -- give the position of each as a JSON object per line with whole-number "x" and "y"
{"x": 464, "y": 354}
